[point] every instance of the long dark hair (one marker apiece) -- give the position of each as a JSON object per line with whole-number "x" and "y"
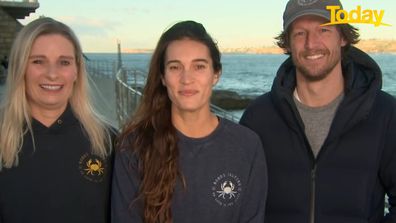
{"x": 154, "y": 138}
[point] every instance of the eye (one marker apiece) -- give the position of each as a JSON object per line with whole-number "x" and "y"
{"x": 65, "y": 62}
{"x": 200, "y": 66}
{"x": 299, "y": 33}
{"x": 37, "y": 61}
{"x": 324, "y": 30}
{"x": 174, "y": 67}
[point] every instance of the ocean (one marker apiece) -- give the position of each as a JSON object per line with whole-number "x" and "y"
{"x": 252, "y": 74}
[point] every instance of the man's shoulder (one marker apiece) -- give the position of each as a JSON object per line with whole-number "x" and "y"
{"x": 259, "y": 105}
{"x": 258, "y": 109}
{"x": 386, "y": 99}
{"x": 261, "y": 101}
{"x": 384, "y": 105}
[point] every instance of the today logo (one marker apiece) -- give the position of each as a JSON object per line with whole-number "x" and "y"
{"x": 367, "y": 16}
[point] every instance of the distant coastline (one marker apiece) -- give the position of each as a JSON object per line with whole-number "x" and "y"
{"x": 367, "y": 45}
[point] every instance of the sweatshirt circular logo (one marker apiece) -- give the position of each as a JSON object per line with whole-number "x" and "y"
{"x": 226, "y": 189}
{"x": 306, "y": 2}
{"x": 92, "y": 167}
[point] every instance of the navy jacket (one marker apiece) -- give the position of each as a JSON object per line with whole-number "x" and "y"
{"x": 356, "y": 165}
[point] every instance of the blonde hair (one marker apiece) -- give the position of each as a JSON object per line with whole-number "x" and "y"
{"x": 15, "y": 118}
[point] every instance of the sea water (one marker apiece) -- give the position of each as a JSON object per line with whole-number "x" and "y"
{"x": 252, "y": 74}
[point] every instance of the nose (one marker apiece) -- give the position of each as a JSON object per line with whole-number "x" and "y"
{"x": 186, "y": 76}
{"x": 312, "y": 40}
{"x": 52, "y": 71}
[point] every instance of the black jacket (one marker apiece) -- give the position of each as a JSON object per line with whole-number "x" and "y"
{"x": 356, "y": 165}
{"x": 58, "y": 180}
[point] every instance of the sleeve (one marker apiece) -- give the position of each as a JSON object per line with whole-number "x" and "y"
{"x": 125, "y": 188}
{"x": 253, "y": 203}
{"x": 388, "y": 171}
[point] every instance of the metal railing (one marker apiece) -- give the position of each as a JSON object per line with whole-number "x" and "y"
{"x": 223, "y": 113}
{"x": 128, "y": 93}
{"x": 101, "y": 68}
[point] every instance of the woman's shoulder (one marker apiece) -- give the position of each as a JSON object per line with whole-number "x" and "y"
{"x": 241, "y": 137}
{"x": 238, "y": 130}
{"x": 124, "y": 147}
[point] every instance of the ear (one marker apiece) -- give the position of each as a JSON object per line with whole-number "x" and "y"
{"x": 287, "y": 50}
{"x": 343, "y": 42}
{"x": 216, "y": 78}
{"x": 163, "y": 80}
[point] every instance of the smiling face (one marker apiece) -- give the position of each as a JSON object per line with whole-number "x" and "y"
{"x": 50, "y": 74}
{"x": 189, "y": 76}
{"x": 315, "y": 49}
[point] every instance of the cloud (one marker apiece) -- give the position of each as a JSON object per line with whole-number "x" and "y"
{"x": 128, "y": 11}
{"x": 84, "y": 26}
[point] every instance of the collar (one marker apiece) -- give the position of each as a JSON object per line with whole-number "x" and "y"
{"x": 67, "y": 118}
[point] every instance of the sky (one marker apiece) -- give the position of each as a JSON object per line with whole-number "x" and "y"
{"x": 138, "y": 24}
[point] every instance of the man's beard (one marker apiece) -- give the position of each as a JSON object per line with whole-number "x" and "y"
{"x": 317, "y": 73}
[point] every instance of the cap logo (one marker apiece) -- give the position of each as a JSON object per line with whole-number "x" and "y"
{"x": 306, "y": 2}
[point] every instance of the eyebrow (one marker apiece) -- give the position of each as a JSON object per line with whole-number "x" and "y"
{"x": 195, "y": 60}
{"x": 42, "y": 56}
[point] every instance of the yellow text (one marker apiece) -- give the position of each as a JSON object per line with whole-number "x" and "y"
{"x": 367, "y": 16}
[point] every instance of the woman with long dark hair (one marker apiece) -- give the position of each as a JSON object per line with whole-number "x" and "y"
{"x": 176, "y": 160}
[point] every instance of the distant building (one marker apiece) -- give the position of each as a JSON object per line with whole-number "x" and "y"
{"x": 10, "y": 12}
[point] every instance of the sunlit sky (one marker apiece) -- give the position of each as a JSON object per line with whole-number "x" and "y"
{"x": 138, "y": 24}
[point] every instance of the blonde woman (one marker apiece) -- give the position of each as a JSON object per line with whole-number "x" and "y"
{"x": 55, "y": 152}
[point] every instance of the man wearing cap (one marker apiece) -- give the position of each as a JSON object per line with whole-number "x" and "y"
{"x": 328, "y": 130}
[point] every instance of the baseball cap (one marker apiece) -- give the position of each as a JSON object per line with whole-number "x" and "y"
{"x": 297, "y": 8}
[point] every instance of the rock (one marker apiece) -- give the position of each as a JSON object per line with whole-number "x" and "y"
{"x": 229, "y": 100}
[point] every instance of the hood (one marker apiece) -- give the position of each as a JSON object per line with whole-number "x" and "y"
{"x": 363, "y": 80}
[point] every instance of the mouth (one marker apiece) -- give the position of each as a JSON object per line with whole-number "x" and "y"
{"x": 51, "y": 87}
{"x": 315, "y": 56}
{"x": 188, "y": 92}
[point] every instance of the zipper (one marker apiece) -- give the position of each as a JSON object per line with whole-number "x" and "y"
{"x": 312, "y": 201}
{"x": 313, "y": 180}
{"x": 301, "y": 132}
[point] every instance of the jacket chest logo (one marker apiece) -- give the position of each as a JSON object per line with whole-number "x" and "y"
{"x": 226, "y": 189}
{"x": 92, "y": 167}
